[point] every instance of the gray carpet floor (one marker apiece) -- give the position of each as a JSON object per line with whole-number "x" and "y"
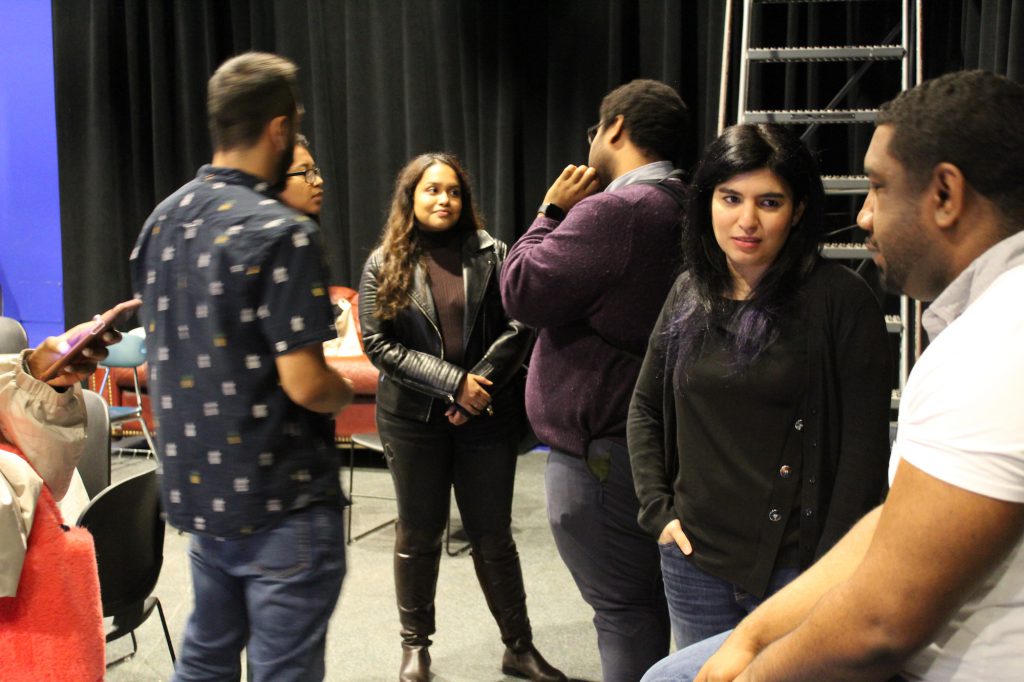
{"x": 363, "y": 643}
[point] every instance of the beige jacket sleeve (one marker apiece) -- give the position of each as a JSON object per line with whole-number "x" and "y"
{"x": 46, "y": 425}
{"x": 19, "y": 491}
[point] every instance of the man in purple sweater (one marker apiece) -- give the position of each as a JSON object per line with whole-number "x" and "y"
{"x": 591, "y": 275}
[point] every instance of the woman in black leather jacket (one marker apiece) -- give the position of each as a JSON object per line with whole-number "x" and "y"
{"x": 447, "y": 410}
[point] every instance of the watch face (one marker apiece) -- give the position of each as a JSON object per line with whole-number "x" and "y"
{"x": 552, "y": 211}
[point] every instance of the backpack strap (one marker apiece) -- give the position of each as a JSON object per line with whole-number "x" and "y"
{"x": 669, "y": 188}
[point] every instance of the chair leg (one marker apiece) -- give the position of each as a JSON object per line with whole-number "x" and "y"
{"x": 149, "y": 436}
{"x": 448, "y": 539}
{"x": 135, "y": 649}
{"x": 351, "y": 494}
{"x": 448, "y": 542}
{"x": 167, "y": 633}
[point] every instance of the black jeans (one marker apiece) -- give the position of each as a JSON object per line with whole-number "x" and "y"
{"x": 428, "y": 458}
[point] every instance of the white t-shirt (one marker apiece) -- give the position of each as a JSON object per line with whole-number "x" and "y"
{"x": 962, "y": 421}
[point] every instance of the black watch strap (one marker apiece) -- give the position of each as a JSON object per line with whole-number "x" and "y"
{"x": 553, "y": 211}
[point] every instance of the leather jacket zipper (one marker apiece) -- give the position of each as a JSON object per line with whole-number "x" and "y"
{"x": 441, "y": 340}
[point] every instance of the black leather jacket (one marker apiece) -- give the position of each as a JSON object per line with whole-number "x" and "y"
{"x": 415, "y": 380}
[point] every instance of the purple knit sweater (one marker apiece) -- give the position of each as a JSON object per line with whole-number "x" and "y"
{"x": 592, "y": 285}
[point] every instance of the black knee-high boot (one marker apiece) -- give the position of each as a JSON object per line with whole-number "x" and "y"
{"x": 417, "y": 556}
{"x": 497, "y": 568}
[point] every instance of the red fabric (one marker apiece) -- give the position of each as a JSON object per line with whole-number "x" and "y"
{"x": 53, "y": 628}
{"x": 360, "y": 370}
{"x": 358, "y": 417}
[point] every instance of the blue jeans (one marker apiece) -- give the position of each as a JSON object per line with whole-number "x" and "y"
{"x": 683, "y": 665}
{"x": 592, "y": 509}
{"x": 701, "y": 605}
{"x": 272, "y": 593}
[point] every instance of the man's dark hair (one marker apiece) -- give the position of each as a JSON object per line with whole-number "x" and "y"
{"x": 245, "y": 93}
{"x": 971, "y": 119}
{"x": 653, "y": 113}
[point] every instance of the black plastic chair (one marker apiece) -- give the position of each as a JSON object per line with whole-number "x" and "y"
{"x": 128, "y": 532}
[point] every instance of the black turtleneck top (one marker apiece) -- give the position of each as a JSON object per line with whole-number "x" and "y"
{"x": 442, "y": 256}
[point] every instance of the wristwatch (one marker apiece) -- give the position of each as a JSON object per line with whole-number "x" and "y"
{"x": 553, "y": 211}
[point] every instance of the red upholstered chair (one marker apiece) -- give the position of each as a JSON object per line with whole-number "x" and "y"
{"x": 348, "y": 359}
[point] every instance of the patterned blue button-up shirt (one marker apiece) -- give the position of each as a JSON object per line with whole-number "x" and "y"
{"x": 230, "y": 278}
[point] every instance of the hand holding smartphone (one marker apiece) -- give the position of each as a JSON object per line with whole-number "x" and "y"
{"x": 88, "y": 335}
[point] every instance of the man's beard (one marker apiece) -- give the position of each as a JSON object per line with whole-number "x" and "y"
{"x": 283, "y": 164}
{"x": 906, "y": 260}
{"x": 889, "y": 278}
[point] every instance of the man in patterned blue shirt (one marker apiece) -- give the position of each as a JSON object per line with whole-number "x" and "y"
{"x": 235, "y": 306}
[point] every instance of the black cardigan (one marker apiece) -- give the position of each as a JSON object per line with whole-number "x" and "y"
{"x": 845, "y": 424}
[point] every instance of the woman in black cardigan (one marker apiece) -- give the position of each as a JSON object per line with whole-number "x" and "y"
{"x": 448, "y": 412}
{"x": 758, "y": 429}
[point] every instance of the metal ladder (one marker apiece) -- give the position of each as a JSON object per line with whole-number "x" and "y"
{"x": 907, "y": 52}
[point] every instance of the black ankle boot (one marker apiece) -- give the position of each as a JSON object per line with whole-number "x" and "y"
{"x": 497, "y": 568}
{"x": 417, "y": 556}
{"x": 415, "y": 663}
{"x": 521, "y": 659}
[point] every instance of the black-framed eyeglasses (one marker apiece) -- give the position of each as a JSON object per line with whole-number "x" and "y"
{"x": 592, "y": 132}
{"x": 310, "y": 174}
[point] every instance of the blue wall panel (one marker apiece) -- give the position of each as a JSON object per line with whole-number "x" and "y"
{"x": 30, "y": 245}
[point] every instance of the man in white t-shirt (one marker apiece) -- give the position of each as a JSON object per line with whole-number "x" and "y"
{"x": 930, "y": 585}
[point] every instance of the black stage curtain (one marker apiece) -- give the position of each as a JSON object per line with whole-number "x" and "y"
{"x": 508, "y": 85}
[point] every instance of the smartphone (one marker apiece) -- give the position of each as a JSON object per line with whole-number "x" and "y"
{"x": 101, "y": 323}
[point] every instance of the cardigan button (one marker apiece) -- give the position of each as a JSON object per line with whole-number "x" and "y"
{"x": 812, "y": 480}
{"x": 799, "y": 425}
{"x": 774, "y": 516}
{"x": 785, "y": 470}
{"x": 808, "y": 512}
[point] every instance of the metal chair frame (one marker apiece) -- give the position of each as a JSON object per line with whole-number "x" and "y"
{"x": 129, "y": 355}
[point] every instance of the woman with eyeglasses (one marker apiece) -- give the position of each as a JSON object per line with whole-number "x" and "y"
{"x": 304, "y": 186}
{"x": 758, "y": 428}
{"x": 448, "y": 412}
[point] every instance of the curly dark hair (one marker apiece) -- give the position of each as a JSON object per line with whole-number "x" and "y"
{"x": 399, "y": 243}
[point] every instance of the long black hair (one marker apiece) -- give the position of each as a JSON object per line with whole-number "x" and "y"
{"x": 754, "y": 323}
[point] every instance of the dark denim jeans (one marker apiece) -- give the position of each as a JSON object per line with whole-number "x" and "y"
{"x": 701, "y": 605}
{"x": 592, "y": 509}
{"x": 271, "y": 593}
